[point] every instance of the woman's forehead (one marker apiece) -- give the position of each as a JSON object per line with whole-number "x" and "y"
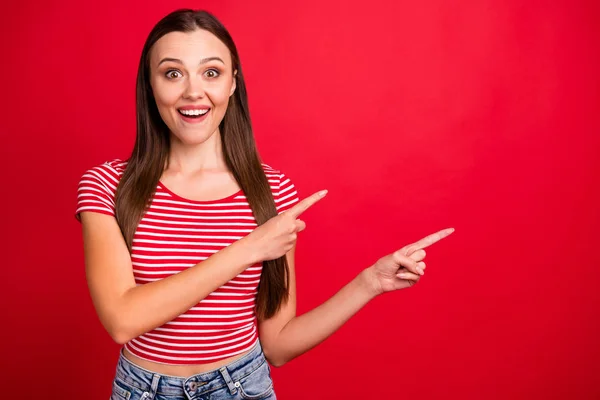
{"x": 189, "y": 47}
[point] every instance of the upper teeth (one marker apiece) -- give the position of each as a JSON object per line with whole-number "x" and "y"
{"x": 194, "y": 112}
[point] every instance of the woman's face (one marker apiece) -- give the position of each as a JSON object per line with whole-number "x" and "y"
{"x": 192, "y": 79}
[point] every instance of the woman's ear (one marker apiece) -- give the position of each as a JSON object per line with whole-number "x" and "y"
{"x": 234, "y": 85}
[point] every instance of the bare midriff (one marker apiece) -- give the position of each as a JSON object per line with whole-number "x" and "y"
{"x": 181, "y": 371}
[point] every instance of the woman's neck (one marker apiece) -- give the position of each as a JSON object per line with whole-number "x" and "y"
{"x": 189, "y": 160}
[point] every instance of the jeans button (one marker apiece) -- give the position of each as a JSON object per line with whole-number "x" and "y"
{"x": 193, "y": 386}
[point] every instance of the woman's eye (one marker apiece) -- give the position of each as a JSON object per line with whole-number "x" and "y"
{"x": 212, "y": 73}
{"x": 172, "y": 74}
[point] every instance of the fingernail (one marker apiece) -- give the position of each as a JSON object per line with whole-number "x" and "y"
{"x": 402, "y": 276}
{"x": 420, "y": 271}
{"x": 322, "y": 193}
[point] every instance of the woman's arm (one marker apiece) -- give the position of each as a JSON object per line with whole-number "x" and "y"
{"x": 286, "y": 336}
{"x": 125, "y": 310}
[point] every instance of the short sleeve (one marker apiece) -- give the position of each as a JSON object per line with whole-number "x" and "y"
{"x": 286, "y": 195}
{"x": 96, "y": 191}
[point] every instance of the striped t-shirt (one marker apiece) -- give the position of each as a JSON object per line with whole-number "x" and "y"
{"x": 177, "y": 233}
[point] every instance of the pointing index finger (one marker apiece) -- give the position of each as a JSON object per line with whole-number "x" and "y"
{"x": 429, "y": 240}
{"x": 306, "y": 203}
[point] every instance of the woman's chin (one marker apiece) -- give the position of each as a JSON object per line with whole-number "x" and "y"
{"x": 192, "y": 137}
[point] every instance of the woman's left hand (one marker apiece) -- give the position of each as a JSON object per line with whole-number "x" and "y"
{"x": 403, "y": 268}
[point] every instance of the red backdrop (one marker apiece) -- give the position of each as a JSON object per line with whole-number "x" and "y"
{"x": 480, "y": 115}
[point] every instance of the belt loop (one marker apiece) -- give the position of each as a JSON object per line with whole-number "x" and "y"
{"x": 228, "y": 380}
{"x": 155, "y": 379}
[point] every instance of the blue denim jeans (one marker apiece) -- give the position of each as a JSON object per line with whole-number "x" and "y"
{"x": 248, "y": 377}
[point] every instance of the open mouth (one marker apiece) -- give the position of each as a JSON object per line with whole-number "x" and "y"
{"x": 194, "y": 113}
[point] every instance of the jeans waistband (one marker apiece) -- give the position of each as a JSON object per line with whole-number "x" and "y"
{"x": 153, "y": 382}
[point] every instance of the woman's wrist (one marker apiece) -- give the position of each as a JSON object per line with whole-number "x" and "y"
{"x": 248, "y": 249}
{"x": 369, "y": 282}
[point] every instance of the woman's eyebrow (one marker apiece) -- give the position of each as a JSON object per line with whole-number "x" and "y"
{"x": 203, "y": 61}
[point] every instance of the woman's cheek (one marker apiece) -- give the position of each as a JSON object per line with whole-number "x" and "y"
{"x": 215, "y": 96}
{"x": 171, "y": 94}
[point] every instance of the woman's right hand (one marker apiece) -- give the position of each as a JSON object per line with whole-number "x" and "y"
{"x": 277, "y": 236}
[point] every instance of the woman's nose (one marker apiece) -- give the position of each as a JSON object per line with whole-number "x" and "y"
{"x": 194, "y": 88}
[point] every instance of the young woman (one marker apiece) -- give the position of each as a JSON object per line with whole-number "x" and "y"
{"x": 189, "y": 244}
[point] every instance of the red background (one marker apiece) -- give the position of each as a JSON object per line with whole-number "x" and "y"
{"x": 480, "y": 115}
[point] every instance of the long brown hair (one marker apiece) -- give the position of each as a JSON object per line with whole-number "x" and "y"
{"x": 151, "y": 151}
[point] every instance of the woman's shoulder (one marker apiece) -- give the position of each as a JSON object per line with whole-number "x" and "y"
{"x": 97, "y": 187}
{"x": 113, "y": 168}
{"x": 270, "y": 171}
{"x": 106, "y": 175}
{"x": 276, "y": 177}
{"x": 116, "y": 166}
{"x": 283, "y": 188}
